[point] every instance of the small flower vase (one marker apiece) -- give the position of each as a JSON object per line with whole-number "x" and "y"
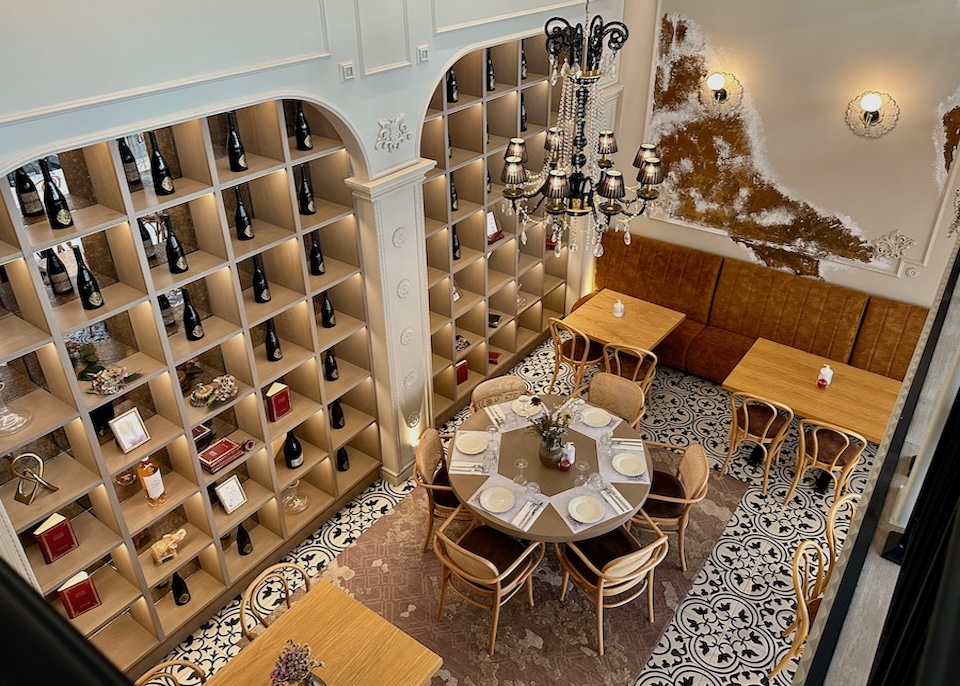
{"x": 550, "y": 454}
{"x": 312, "y": 680}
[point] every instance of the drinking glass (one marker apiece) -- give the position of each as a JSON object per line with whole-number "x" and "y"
{"x": 294, "y": 500}
{"x": 489, "y": 461}
{"x": 605, "y": 444}
{"x": 521, "y": 464}
{"x": 595, "y": 482}
{"x": 533, "y": 490}
{"x": 493, "y": 437}
{"x": 582, "y": 468}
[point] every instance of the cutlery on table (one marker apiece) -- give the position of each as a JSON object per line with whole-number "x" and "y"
{"x": 531, "y": 515}
{"x": 616, "y": 500}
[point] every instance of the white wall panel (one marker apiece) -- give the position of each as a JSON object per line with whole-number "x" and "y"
{"x": 449, "y": 16}
{"x": 382, "y": 35}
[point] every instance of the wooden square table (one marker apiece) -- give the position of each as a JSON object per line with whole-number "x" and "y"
{"x": 643, "y": 324}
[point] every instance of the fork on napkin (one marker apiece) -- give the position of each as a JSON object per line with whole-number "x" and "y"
{"x": 528, "y": 514}
{"x": 616, "y": 499}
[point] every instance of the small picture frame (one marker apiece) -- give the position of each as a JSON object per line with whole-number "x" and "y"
{"x": 230, "y": 494}
{"x": 129, "y": 431}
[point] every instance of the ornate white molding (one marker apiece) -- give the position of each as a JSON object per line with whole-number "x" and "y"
{"x": 403, "y": 288}
{"x": 410, "y": 378}
{"x": 406, "y": 336}
{"x": 954, "y": 230}
{"x": 399, "y": 237}
{"x": 892, "y": 246}
{"x": 393, "y": 132}
{"x": 912, "y": 272}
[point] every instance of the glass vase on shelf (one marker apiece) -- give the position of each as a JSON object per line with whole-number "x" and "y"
{"x": 13, "y": 417}
{"x": 294, "y": 500}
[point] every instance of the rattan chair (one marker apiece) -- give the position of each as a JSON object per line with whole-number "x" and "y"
{"x": 760, "y": 421}
{"x": 165, "y": 673}
{"x": 809, "y": 579}
{"x": 829, "y": 447}
{"x": 618, "y": 395}
{"x": 283, "y": 574}
{"x": 430, "y": 472}
{"x": 573, "y": 347}
{"x": 631, "y": 362}
{"x": 497, "y": 390}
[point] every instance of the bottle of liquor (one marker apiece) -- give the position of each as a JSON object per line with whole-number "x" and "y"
{"x": 176, "y": 256}
{"x": 486, "y": 131}
{"x": 166, "y": 311}
{"x": 454, "y": 196}
{"x": 57, "y": 273}
{"x": 328, "y": 317}
{"x": 272, "y": 343}
{"x": 130, "y": 169}
{"x": 244, "y": 544}
{"x": 261, "y": 288}
{"x": 87, "y": 286}
{"x": 235, "y": 152}
{"x": 148, "y": 247}
{"x": 491, "y": 73}
{"x": 337, "y": 419}
{"x": 301, "y": 129}
{"x": 523, "y": 62}
{"x": 148, "y": 472}
{"x": 453, "y": 91}
{"x": 241, "y": 218}
{"x": 159, "y": 170}
{"x": 449, "y": 147}
{"x": 343, "y": 459}
{"x": 523, "y": 113}
{"x": 455, "y": 240}
{"x": 305, "y": 192}
{"x": 181, "y": 594}
{"x": 317, "y": 267}
{"x": 489, "y": 181}
{"x": 192, "y": 325}
{"x": 7, "y": 299}
{"x": 27, "y": 195}
{"x": 330, "y": 370}
{"x": 58, "y": 213}
{"x": 292, "y": 451}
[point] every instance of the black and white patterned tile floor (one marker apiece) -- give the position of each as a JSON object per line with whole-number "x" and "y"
{"x": 727, "y": 630}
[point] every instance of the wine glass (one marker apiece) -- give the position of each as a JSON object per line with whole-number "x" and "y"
{"x": 521, "y": 464}
{"x": 293, "y": 500}
{"x": 582, "y": 468}
{"x": 521, "y": 300}
{"x": 493, "y": 437}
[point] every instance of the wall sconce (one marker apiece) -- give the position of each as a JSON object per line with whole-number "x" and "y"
{"x": 872, "y": 114}
{"x": 721, "y": 93}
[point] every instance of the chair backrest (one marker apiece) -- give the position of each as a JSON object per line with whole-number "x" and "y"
{"x": 694, "y": 471}
{"x": 631, "y": 362}
{"x": 282, "y": 574}
{"x": 164, "y": 673}
{"x": 760, "y": 414}
{"x": 618, "y": 395}
{"x": 826, "y": 443}
{"x": 497, "y": 390}
{"x": 809, "y": 573}
{"x": 577, "y": 351}
{"x": 463, "y": 562}
{"x": 429, "y": 454}
{"x": 846, "y": 501}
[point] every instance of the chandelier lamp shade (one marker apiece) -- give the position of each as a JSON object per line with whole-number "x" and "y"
{"x": 577, "y": 187}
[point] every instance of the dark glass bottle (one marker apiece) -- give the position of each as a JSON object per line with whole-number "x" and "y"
{"x": 130, "y": 169}
{"x": 87, "y": 286}
{"x": 57, "y": 273}
{"x": 337, "y": 419}
{"x": 317, "y": 267}
{"x": 491, "y": 73}
{"x": 292, "y": 451}
{"x": 159, "y": 170}
{"x": 330, "y": 370}
{"x": 58, "y": 213}
{"x": 343, "y": 459}
{"x": 241, "y": 218}
{"x": 244, "y": 544}
{"x": 328, "y": 318}
{"x": 305, "y": 192}
{"x": 453, "y": 91}
{"x": 166, "y": 311}
{"x": 523, "y": 113}
{"x": 454, "y": 196}
{"x": 192, "y": 324}
{"x": 148, "y": 247}
{"x": 523, "y": 62}
{"x": 261, "y": 288}
{"x": 7, "y": 298}
{"x": 489, "y": 181}
{"x": 449, "y": 147}
{"x": 176, "y": 256}
{"x": 301, "y": 129}
{"x": 235, "y": 152}
{"x": 181, "y": 594}
{"x": 272, "y": 343}
{"x": 455, "y": 240}
{"x": 27, "y": 195}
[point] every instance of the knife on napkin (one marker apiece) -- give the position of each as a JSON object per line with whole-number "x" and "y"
{"x": 491, "y": 413}
{"x": 617, "y": 501}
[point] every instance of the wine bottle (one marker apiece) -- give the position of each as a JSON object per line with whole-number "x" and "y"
{"x": 159, "y": 170}
{"x": 453, "y": 91}
{"x": 27, "y": 195}
{"x": 241, "y": 218}
{"x": 272, "y": 343}
{"x": 328, "y": 318}
{"x": 57, "y": 273}
{"x": 148, "y": 472}
{"x": 235, "y": 152}
{"x": 486, "y": 131}
{"x": 523, "y": 113}
{"x": 7, "y": 298}
{"x": 454, "y": 196}
{"x": 343, "y": 459}
{"x": 292, "y": 451}
{"x": 181, "y": 594}
{"x": 449, "y": 147}
{"x": 192, "y": 325}
{"x": 148, "y": 247}
{"x": 523, "y": 62}
{"x": 58, "y": 213}
{"x": 489, "y": 181}
{"x": 455, "y": 240}
{"x": 317, "y": 266}
{"x": 261, "y": 288}
{"x": 176, "y": 257}
{"x": 491, "y": 73}
{"x": 305, "y": 192}
{"x": 337, "y": 420}
{"x": 330, "y": 370}
{"x": 244, "y": 544}
{"x": 301, "y": 129}
{"x": 130, "y": 169}
{"x": 87, "y": 286}
{"x": 166, "y": 311}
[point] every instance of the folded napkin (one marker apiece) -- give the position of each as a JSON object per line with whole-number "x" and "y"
{"x": 615, "y": 499}
{"x": 495, "y": 414}
{"x": 529, "y": 513}
{"x": 466, "y": 468}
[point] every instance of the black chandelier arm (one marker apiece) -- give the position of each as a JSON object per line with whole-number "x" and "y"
{"x": 564, "y": 39}
{"x": 616, "y": 34}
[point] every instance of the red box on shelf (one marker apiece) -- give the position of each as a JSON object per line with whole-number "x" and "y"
{"x": 494, "y": 357}
{"x": 278, "y": 401}
{"x": 462, "y": 371}
{"x": 220, "y": 454}
{"x": 56, "y": 537}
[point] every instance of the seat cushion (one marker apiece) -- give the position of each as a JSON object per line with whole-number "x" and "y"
{"x": 758, "y": 416}
{"x": 664, "y": 483}
{"x": 497, "y": 547}
{"x": 673, "y": 349}
{"x": 888, "y": 337}
{"x": 601, "y": 550}
{"x": 444, "y": 498}
{"x": 830, "y": 443}
{"x": 572, "y": 348}
{"x": 715, "y": 352}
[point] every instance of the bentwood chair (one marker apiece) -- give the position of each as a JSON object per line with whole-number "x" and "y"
{"x": 485, "y": 567}
{"x": 573, "y": 347}
{"x": 430, "y": 473}
{"x": 631, "y": 362}
{"x": 760, "y": 421}
{"x": 497, "y": 390}
{"x": 829, "y": 447}
{"x": 613, "y": 569}
{"x": 173, "y": 673}
{"x": 278, "y": 578}
{"x": 618, "y": 395}
{"x": 673, "y": 495}
{"x": 809, "y": 579}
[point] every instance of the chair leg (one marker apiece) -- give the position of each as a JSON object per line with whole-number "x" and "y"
{"x": 426, "y": 542}
{"x": 493, "y": 624}
{"x": 650, "y": 596}
{"x": 734, "y": 444}
{"x": 680, "y": 548}
{"x": 793, "y": 484}
{"x": 530, "y": 590}
{"x": 443, "y": 592}
{"x": 564, "y": 582}
{"x": 599, "y": 600}
{"x": 556, "y": 370}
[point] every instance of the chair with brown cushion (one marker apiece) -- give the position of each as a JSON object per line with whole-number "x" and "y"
{"x": 618, "y": 395}
{"x": 430, "y": 472}
{"x": 612, "y": 569}
{"x": 829, "y": 447}
{"x": 485, "y": 567}
{"x": 500, "y": 389}
{"x": 573, "y": 347}
{"x": 760, "y": 421}
{"x": 172, "y": 673}
{"x": 809, "y": 575}
{"x": 673, "y": 495}
{"x": 631, "y": 362}
{"x": 282, "y": 575}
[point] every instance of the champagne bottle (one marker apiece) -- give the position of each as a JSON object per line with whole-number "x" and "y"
{"x": 455, "y": 239}
{"x": 181, "y": 594}
{"x": 449, "y": 147}
{"x": 337, "y": 419}
{"x": 261, "y": 288}
{"x": 523, "y": 113}
{"x": 343, "y": 459}
{"x": 317, "y": 267}
{"x": 166, "y": 311}
{"x": 148, "y": 472}
{"x": 27, "y": 195}
{"x": 87, "y": 286}
{"x": 272, "y": 343}
{"x": 523, "y": 62}
{"x": 192, "y": 325}
{"x": 57, "y": 273}
{"x": 176, "y": 257}
{"x": 244, "y": 544}
{"x": 241, "y": 218}
{"x": 453, "y": 91}
{"x": 148, "y": 247}
{"x": 491, "y": 73}
{"x": 58, "y": 213}
{"x": 328, "y": 317}
{"x": 235, "y": 152}
{"x": 130, "y": 169}
{"x": 330, "y": 370}
{"x": 301, "y": 129}
{"x": 454, "y": 196}
{"x": 305, "y": 192}
{"x": 292, "y": 451}
{"x": 159, "y": 170}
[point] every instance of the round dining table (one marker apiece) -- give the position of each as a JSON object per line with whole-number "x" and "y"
{"x": 525, "y": 442}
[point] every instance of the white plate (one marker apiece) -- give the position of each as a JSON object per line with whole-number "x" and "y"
{"x": 497, "y": 499}
{"x": 529, "y": 411}
{"x": 585, "y": 509}
{"x": 471, "y": 444}
{"x": 596, "y": 417}
{"x": 629, "y": 464}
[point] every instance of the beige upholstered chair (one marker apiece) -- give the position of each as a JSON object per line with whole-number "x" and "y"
{"x": 430, "y": 472}
{"x": 831, "y": 448}
{"x": 612, "y": 569}
{"x": 809, "y": 579}
{"x": 573, "y": 347}
{"x": 499, "y": 389}
{"x": 631, "y": 362}
{"x": 618, "y": 395}
{"x": 485, "y": 567}
{"x": 760, "y": 421}
{"x": 281, "y": 573}
{"x": 170, "y": 673}
{"x": 673, "y": 495}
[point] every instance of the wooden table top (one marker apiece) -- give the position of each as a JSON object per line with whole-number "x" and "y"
{"x": 643, "y": 324}
{"x": 550, "y": 526}
{"x": 356, "y": 645}
{"x": 856, "y": 399}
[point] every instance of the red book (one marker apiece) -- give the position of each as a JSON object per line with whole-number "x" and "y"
{"x": 78, "y": 594}
{"x": 462, "y": 371}
{"x": 56, "y": 537}
{"x": 494, "y": 357}
{"x": 278, "y": 401}
{"x": 220, "y": 454}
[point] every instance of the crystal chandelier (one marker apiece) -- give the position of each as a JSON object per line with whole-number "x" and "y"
{"x": 577, "y": 179}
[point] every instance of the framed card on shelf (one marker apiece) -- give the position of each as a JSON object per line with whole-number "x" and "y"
{"x": 129, "y": 430}
{"x": 494, "y": 233}
{"x": 230, "y": 494}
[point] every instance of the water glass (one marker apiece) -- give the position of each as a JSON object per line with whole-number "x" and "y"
{"x": 595, "y": 482}
{"x": 533, "y": 491}
{"x": 493, "y": 437}
{"x": 489, "y": 461}
{"x": 521, "y": 464}
{"x": 582, "y": 468}
{"x": 605, "y": 444}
